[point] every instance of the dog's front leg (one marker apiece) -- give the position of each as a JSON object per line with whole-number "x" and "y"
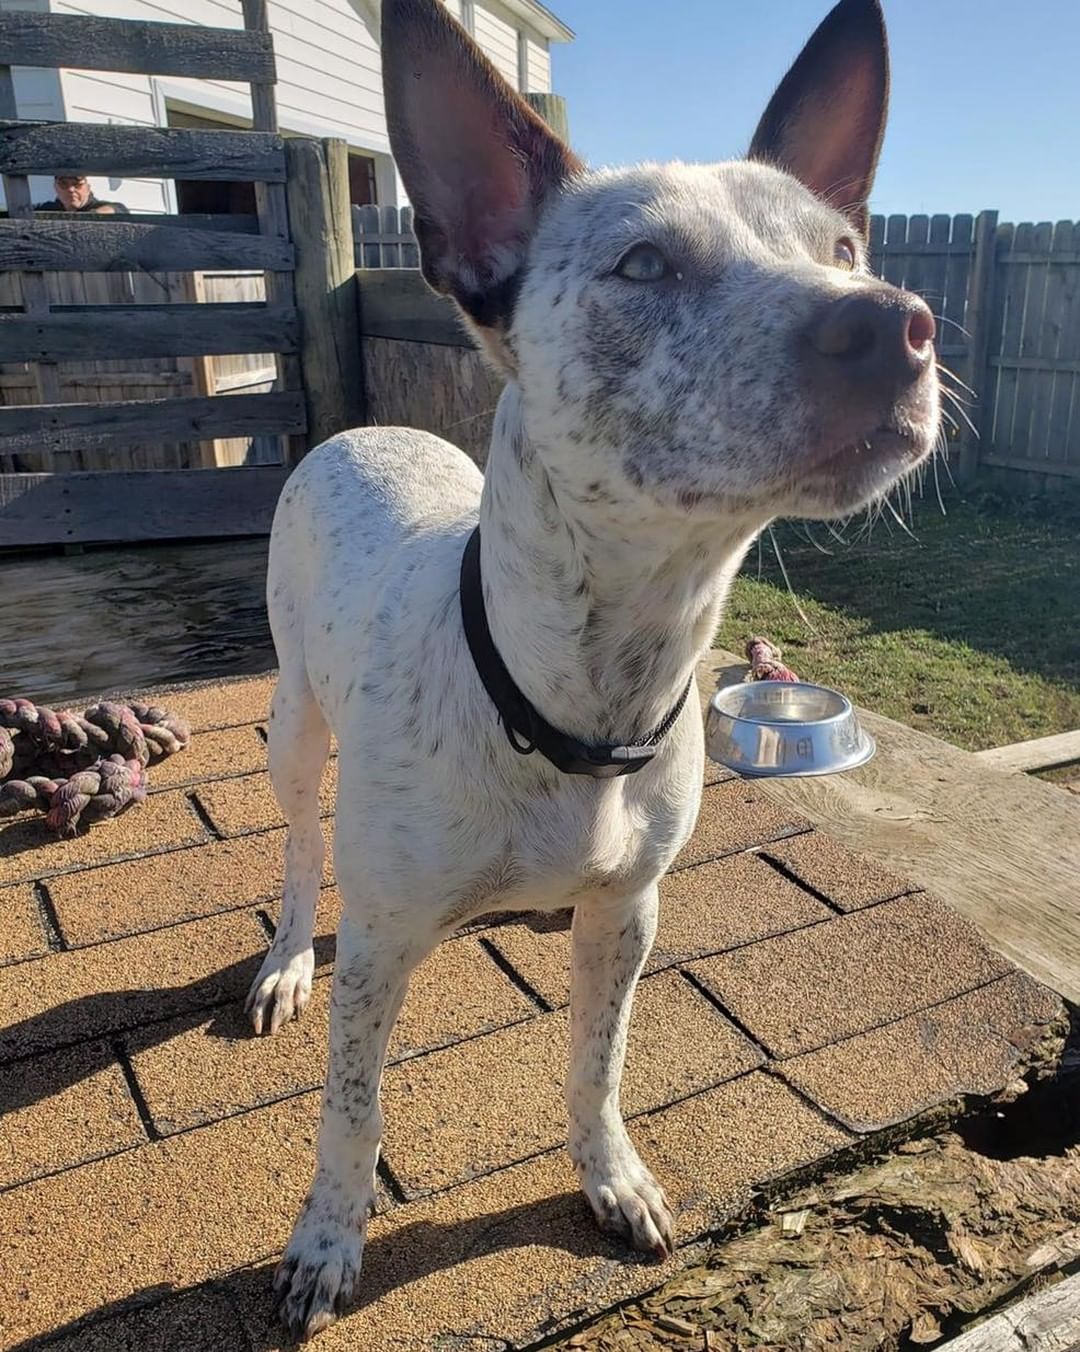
{"x": 321, "y": 1263}
{"x": 611, "y": 940}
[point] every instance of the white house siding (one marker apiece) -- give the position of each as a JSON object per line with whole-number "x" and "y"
{"x": 329, "y": 79}
{"x": 538, "y": 58}
{"x": 496, "y": 33}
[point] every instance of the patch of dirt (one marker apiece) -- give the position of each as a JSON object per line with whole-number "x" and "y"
{"x": 899, "y": 1255}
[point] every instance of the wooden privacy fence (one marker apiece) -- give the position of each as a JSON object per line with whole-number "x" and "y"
{"x": 300, "y": 239}
{"x": 1006, "y": 298}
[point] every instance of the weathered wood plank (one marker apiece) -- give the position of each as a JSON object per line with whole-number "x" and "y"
{"x": 1030, "y": 381}
{"x": 320, "y": 222}
{"x": 1040, "y": 753}
{"x": 239, "y": 224}
{"x": 81, "y": 42}
{"x": 1063, "y": 431}
{"x": 1067, "y": 469}
{"x": 113, "y": 331}
{"x": 552, "y": 108}
{"x": 1045, "y": 1321}
{"x": 122, "y": 245}
{"x": 133, "y": 152}
{"x": 450, "y": 391}
{"x": 1003, "y": 849}
{"x": 398, "y": 303}
{"x": 894, "y": 258}
{"x": 67, "y": 427}
{"x": 987, "y": 304}
{"x": 41, "y": 509}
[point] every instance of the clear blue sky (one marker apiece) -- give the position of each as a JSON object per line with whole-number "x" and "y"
{"x": 985, "y": 103}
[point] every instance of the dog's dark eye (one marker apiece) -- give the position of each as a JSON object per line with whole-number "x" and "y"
{"x": 644, "y": 263}
{"x": 844, "y": 254}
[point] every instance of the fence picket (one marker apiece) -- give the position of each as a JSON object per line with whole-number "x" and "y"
{"x": 1028, "y": 380}
{"x": 893, "y": 261}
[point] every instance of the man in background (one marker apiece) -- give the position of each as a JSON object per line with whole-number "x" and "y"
{"x": 74, "y": 193}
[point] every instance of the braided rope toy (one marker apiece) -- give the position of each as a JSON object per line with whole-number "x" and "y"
{"x": 765, "y": 664}
{"x": 81, "y": 767}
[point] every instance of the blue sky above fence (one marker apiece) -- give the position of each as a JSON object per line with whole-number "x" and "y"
{"x": 985, "y": 107}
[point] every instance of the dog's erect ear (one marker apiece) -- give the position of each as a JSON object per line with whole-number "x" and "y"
{"x": 477, "y": 162}
{"x": 825, "y": 122}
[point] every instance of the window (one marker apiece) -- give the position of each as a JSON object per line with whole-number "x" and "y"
{"x": 218, "y": 197}
{"x": 361, "y": 180}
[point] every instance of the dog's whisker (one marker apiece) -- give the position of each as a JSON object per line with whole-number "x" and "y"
{"x": 948, "y": 371}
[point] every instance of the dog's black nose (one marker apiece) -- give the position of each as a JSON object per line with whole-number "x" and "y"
{"x": 882, "y": 337}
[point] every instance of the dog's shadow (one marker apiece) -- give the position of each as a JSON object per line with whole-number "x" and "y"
{"x": 237, "y": 1310}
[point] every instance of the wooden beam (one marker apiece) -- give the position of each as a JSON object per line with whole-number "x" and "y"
{"x": 45, "y": 509}
{"x": 74, "y": 427}
{"x": 1002, "y": 849}
{"x": 1048, "y": 1320}
{"x": 124, "y": 245}
{"x": 1040, "y": 753}
{"x": 552, "y": 108}
{"x": 105, "y": 332}
{"x": 139, "y": 152}
{"x": 1066, "y": 470}
{"x": 79, "y": 42}
{"x": 320, "y": 221}
{"x": 398, "y": 303}
{"x": 239, "y": 224}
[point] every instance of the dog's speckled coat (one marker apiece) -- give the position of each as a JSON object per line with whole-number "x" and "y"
{"x": 662, "y": 404}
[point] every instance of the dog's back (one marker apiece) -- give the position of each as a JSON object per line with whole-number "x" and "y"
{"x": 348, "y": 514}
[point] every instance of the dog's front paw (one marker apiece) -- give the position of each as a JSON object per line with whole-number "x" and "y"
{"x": 282, "y": 989}
{"x": 628, "y": 1201}
{"x": 317, "y": 1274}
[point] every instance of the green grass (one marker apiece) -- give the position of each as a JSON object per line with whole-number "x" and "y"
{"x": 970, "y": 631}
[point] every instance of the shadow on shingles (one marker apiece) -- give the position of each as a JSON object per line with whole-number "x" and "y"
{"x": 95, "y": 1021}
{"x": 407, "y": 1254}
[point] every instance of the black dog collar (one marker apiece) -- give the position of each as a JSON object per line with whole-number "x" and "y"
{"x": 526, "y": 729}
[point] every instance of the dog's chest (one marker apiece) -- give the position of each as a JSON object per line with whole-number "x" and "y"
{"x": 592, "y": 837}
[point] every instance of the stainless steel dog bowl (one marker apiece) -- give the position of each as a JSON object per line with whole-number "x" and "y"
{"x": 785, "y": 728}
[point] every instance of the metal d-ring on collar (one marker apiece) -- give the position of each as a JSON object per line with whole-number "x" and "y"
{"x": 526, "y": 728}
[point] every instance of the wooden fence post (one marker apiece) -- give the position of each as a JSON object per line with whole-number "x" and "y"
{"x": 320, "y": 222}
{"x": 552, "y": 108}
{"x": 979, "y": 309}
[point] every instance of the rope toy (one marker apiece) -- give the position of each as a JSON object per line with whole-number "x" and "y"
{"x": 765, "y": 663}
{"x": 81, "y": 767}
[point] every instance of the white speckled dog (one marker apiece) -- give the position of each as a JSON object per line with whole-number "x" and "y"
{"x": 690, "y": 351}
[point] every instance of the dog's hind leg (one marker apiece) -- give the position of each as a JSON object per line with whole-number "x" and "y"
{"x": 611, "y": 940}
{"x": 299, "y": 743}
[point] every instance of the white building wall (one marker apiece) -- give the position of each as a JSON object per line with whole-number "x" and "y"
{"x": 329, "y": 79}
{"x": 495, "y": 32}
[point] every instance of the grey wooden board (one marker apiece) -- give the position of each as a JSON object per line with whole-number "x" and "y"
{"x": 320, "y": 222}
{"x": 108, "y": 331}
{"x": 398, "y": 303}
{"x": 41, "y": 509}
{"x": 69, "y": 427}
{"x": 1030, "y": 381}
{"x": 1048, "y": 1320}
{"x": 80, "y": 42}
{"x": 125, "y": 245}
{"x": 1067, "y": 469}
{"x": 1000, "y": 848}
{"x": 1040, "y": 753}
{"x": 139, "y": 152}
{"x": 188, "y": 220}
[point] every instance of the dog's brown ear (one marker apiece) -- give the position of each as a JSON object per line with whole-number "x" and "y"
{"x": 825, "y": 122}
{"x": 476, "y": 161}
